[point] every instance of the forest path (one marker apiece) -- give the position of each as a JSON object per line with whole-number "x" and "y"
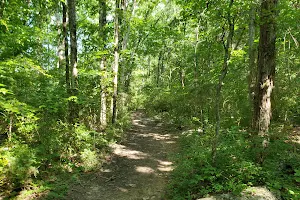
{"x": 139, "y": 166}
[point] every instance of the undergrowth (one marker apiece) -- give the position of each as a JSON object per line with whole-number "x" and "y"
{"x": 53, "y": 160}
{"x": 235, "y": 168}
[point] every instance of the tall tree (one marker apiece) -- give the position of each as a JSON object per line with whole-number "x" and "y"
{"x": 227, "y": 45}
{"x": 265, "y": 68}
{"x": 74, "y": 110}
{"x": 116, "y": 61}
{"x": 103, "y": 36}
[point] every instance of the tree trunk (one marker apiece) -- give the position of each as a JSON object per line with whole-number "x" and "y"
{"x": 196, "y": 57}
{"x": 127, "y": 70}
{"x": 116, "y": 62}
{"x": 60, "y": 39}
{"x": 227, "y": 53}
{"x": 158, "y": 70}
{"x": 74, "y": 110}
{"x": 182, "y": 78}
{"x": 149, "y": 66}
{"x": 103, "y": 36}
{"x": 266, "y": 69}
{"x": 66, "y": 48}
{"x": 252, "y": 58}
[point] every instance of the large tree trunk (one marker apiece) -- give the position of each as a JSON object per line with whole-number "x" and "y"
{"x": 102, "y": 35}
{"x": 74, "y": 109}
{"x": 265, "y": 69}
{"x": 227, "y": 53}
{"x": 116, "y": 62}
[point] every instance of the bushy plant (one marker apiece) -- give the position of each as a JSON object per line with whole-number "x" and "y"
{"x": 18, "y": 165}
{"x": 90, "y": 159}
{"x": 195, "y": 175}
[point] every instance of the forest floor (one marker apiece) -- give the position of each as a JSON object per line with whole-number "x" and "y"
{"x": 138, "y": 168}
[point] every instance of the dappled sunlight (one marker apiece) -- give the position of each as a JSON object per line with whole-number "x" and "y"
{"x": 122, "y": 189}
{"x": 157, "y": 136}
{"x": 144, "y": 170}
{"x": 138, "y": 167}
{"x": 106, "y": 170}
{"x": 165, "y": 166}
{"x": 136, "y": 122}
{"x": 295, "y": 138}
{"x": 170, "y": 142}
{"x": 123, "y": 151}
{"x": 191, "y": 132}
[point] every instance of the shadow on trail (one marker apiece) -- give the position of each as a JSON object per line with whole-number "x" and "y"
{"x": 139, "y": 166}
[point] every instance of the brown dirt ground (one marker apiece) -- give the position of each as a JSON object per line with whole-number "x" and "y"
{"x": 138, "y": 169}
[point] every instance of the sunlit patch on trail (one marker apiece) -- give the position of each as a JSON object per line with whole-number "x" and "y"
{"x": 165, "y": 166}
{"x": 136, "y": 122}
{"x": 144, "y": 170}
{"x": 123, "y": 151}
{"x": 157, "y": 136}
{"x": 123, "y": 189}
{"x": 106, "y": 170}
{"x": 170, "y": 142}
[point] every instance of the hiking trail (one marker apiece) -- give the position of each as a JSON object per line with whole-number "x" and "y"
{"x": 138, "y": 168}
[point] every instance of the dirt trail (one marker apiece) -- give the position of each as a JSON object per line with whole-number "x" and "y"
{"x": 139, "y": 166}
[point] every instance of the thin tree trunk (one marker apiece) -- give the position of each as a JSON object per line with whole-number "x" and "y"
{"x": 182, "y": 77}
{"x": 116, "y": 62}
{"x": 196, "y": 58}
{"x": 266, "y": 70}
{"x": 9, "y": 133}
{"x": 158, "y": 70}
{"x": 103, "y": 109}
{"x": 149, "y": 65}
{"x": 252, "y": 58}
{"x": 66, "y": 48}
{"x": 227, "y": 54}
{"x": 60, "y": 43}
{"x": 74, "y": 110}
{"x": 103, "y": 36}
{"x": 127, "y": 71}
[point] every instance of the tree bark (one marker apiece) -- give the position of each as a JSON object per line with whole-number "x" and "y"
{"x": 227, "y": 53}
{"x": 74, "y": 110}
{"x": 103, "y": 36}
{"x": 116, "y": 62}
{"x": 266, "y": 69}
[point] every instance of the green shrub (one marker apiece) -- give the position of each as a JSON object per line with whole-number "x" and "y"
{"x": 18, "y": 165}
{"x": 195, "y": 175}
{"x": 90, "y": 159}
